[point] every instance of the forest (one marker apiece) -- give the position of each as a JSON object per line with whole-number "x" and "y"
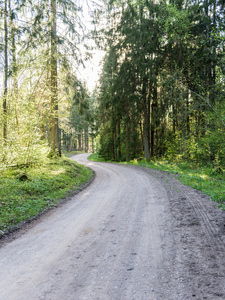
{"x": 161, "y": 86}
{"x": 45, "y": 106}
{"x": 154, "y": 125}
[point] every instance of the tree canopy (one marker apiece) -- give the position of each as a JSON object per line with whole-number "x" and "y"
{"x": 161, "y": 87}
{"x": 40, "y": 55}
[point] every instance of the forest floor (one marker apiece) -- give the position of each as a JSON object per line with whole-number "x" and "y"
{"x": 133, "y": 233}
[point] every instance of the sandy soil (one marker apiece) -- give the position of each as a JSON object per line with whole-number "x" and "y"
{"x": 133, "y": 233}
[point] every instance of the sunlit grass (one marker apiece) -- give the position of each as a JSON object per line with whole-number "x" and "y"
{"x": 205, "y": 177}
{"x": 60, "y": 171}
{"x": 46, "y": 184}
{"x": 96, "y": 157}
{"x": 71, "y": 153}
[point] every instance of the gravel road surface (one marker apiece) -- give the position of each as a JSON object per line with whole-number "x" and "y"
{"x": 133, "y": 233}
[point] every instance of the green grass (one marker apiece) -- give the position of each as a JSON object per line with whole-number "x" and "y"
{"x": 68, "y": 154}
{"x": 96, "y": 157}
{"x": 203, "y": 179}
{"x": 47, "y": 184}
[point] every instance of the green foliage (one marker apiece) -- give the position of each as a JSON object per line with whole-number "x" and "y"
{"x": 78, "y": 124}
{"x": 162, "y": 84}
{"x": 46, "y": 184}
{"x": 177, "y": 24}
{"x": 96, "y": 157}
{"x": 29, "y": 106}
{"x": 69, "y": 154}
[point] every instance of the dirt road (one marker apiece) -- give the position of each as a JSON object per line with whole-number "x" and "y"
{"x": 133, "y": 233}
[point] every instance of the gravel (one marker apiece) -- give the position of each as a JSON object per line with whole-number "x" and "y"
{"x": 133, "y": 233}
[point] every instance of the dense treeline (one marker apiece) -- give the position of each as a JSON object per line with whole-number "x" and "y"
{"x": 40, "y": 91}
{"x": 162, "y": 85}
{"x": 161, "y": 89}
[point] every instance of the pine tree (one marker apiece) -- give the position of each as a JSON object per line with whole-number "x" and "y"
{"x": 5, "y": 93}
{"x": 55, "y": 143}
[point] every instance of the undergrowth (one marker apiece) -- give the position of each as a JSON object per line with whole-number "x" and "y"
{"x": 71, "y": 153}
{"x": 26, "y": 192}
{"x": 204, "y": 179}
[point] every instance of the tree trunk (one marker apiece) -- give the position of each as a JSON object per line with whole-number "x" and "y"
{"x": 153, "y": 119}
{"x": 82, "y": 139}
{"x": 113, "y": 144}
{"x": 188, "y": 116}
{"x": 142, "y": 138}
{"x": 5, "y": 73}
{"x": 55, "y": 145}
{"x": 86, "y": 137}
{"x": 92, "y": 143}
{"x": 146, "y": 136}
{"x": 79, "y": 142}
{"x": 114, "y": 136}
{"x": 174, "y": 118}
{"x": 119, "y": 139}
{"x": 14, "y": 67}
{"x": 146, "y": 121}
{"x": 127, "y": 141}
{"x": 144, "y": 95}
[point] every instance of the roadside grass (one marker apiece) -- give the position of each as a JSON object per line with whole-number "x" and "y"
{"x": 204, "y": 179}
{"x": 97, "y": 157}
{"x": 68, "y": 154}
{"x": 27, "y": 192}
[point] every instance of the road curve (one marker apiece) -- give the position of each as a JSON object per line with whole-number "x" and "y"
{"x": 121, "y": 238}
